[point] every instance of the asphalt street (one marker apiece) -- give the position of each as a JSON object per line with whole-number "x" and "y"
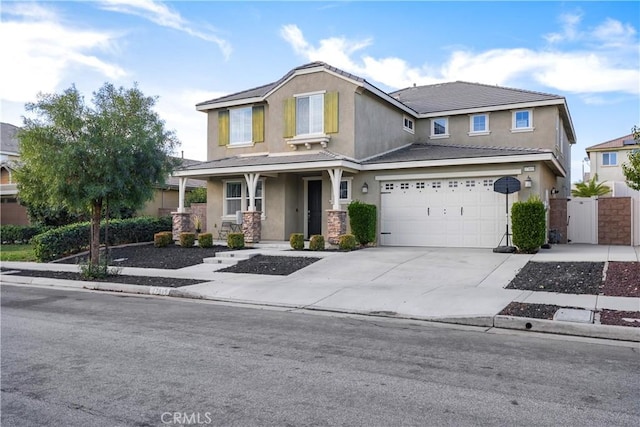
{"x": 79, "y": 358}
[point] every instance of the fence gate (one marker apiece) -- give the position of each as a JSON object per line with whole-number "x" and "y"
{"x": 582, "y": 218}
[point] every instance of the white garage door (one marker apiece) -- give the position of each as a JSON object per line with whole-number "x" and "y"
{"x": 463, "y": 212}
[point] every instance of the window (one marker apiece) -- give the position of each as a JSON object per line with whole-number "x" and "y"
{"x": 419, "y": 185}
{"x": 236, "y": 197}
{"x": 345, "y": 191}
{"x": 240, "y": 125}
{"x": 609, "y": 159}
{"x": 404, "y": 185}
{"x": 388, "y": 186}
{"x": 310, "y": 114}
{"x": 453, "y": 184}
{"x": 436, "y": 184}
{"x": 439, "y": 127}
{"x": 408, "y": 124}
{"x": 522, "y": 120}
{"x": 479, "y": 124}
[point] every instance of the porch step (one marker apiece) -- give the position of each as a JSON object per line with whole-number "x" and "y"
{"x": 229, "y": 258}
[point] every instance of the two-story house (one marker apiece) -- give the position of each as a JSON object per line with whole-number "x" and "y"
{"x": 11, "y": 211}
{"x": 292, "y": 154}
{"x": 606, "y": 160}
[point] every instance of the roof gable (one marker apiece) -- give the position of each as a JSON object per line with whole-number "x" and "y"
{"x": 9, "y": 142}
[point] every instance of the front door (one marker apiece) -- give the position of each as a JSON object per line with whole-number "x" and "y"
{"x": 314, "y": 206}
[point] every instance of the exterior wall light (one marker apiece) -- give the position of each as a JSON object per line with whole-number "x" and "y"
{"x": 365, "y": 188}
{"x": 528, "y": 182}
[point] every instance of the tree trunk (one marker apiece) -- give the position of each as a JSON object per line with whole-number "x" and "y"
{"x": 96, "y": 214}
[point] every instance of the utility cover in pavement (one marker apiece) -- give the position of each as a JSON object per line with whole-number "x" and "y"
{"x": 574, "y": 315}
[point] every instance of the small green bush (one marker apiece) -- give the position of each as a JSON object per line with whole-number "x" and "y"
{"x": 73, "y": 238}
{"x": 235, "y": 240}
{"x": 362, "y": 219}
{"x": 528, "y": 220}
{"x": 10, "y": 234}
{"x": 316, "y": 243}
{"x": 347, "y": 242}
{"x": 205, "y": 240}
{"x": 162, "y": 239}
{"x": 296, "y": 240}
{"x": 89, "y": 271}
{"x": 187, "y": 240}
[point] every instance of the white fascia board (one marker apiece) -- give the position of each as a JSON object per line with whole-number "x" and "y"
{"x": 438, "y": 175}
{"x": 501, "y": 107}
{"x": 286, "y": 167}
{"x": 542, "y": 157}
{"x": 226, "y": 104}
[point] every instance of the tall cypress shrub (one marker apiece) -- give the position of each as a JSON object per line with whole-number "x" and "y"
{"x": 362, "y": 219}
{"x": 528, "y": 220}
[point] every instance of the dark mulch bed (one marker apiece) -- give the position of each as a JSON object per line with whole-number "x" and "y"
{"x": 171, "y": 257}
{"x": 546, "y": 311}
{"x": 561, "y": 277}
{"x": 622, "y": 279}
{"x": 272, "y": 265}
{"x": 129, "y": 280}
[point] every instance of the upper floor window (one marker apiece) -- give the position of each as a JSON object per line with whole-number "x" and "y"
{"x": 408, "y": 124}
{"x": 609, "y": 159}
{"x": 240, "y": 125}
{"x": 522, "y": 120}
{"x": 439, "y": 127}
{"x": 310, "y": 114}
{"x": 479, "y": 124}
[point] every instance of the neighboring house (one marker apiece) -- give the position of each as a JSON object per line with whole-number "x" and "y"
{"x": 166, "y": 197}
{"x": 606, "y": 160}
{"x": 11, "y": 212}
{"x": 294, "y": 153}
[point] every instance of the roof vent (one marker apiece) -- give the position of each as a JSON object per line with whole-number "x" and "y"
{"x": 629, "y": 142}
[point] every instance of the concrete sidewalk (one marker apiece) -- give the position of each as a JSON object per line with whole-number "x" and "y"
{"x": 464, "y": 286}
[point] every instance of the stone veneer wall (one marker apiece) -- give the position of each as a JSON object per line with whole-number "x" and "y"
{"x": 200, "y": 210}
{"x": 558, "y": 218}
{"x": 336, "y": 225}
{"x": 252, "y": 226}
{"x": 181, "y": 223}
{"x": 614, "y": 221}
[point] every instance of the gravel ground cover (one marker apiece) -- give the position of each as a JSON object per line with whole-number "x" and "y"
{"x": 272, "y": 265}
{"x": 546, "y": 311}
{"x": 561, "y": 277}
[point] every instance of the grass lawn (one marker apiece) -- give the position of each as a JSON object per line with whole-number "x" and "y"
{"x": 17, "y": 253}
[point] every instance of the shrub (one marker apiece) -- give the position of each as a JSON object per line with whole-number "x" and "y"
{"x": 528, "y": 221}
{"x": 347, "y": 242}
{"x": 187, "y": 240}
{"x": 362, "y": 219}
{"x": 89, "y": 271}
{"x": 20, "y": 233}
{"x": 296, "y": 240}
{"x": 235, "y": 240}
{"x": 316, "y": 243}
{"x": 205, "y": 240}
{"x": 162, "y": 239}
{"x": 197, "y": 195}
{"x": 75, "y": 237}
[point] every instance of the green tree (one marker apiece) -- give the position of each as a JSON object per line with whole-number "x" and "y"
{"x": 632, "y": 168}
{"x": 590, "y": 188}
{"x": 98, "y": 158}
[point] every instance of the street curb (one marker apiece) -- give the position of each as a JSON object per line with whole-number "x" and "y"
{"x": 622, "y": 333}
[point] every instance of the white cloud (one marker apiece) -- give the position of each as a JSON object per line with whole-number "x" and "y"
{"x": 160, "y": 14}
{"x": 581, "y": 71}
{"x": 41, "y": 50}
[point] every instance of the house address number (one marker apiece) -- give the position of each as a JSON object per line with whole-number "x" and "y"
{"x": 157, "y": 290}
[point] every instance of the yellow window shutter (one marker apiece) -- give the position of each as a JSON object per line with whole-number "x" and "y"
{"x": 257, "y": 124}
{"x": 289, "y": 117}
{"x": 223, "y": 127}
{"x": 331, "y": 112}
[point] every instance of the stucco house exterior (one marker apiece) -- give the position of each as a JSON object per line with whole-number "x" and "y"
{"x": 11, "y": 212}
{"x": 606, "y": 160}
{"x": 292, "y": 154}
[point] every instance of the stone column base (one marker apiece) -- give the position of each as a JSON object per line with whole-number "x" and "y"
{"x": 336, "y": 225}
{"x": 181, "y": 223}
{"x": 252, "y": 226}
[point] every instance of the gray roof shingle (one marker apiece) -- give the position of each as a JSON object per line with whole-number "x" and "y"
{"x": 423, "y": 151}
{"x": 463, "y": 95}
{"x": 9, "y": 143}
{"x": 266, "y": 159}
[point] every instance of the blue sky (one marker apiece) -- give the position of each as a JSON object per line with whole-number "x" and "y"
{"x": 188, "y": 52}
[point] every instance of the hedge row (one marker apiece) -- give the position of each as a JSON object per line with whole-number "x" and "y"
{"x": 76, "y": 237}
{"x": 10, "y": 234}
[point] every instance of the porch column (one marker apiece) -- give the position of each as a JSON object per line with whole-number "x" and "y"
{"x": 252, "y": 184}
{"x": 336, "y": 218}
{"x": 182, "y": 185}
